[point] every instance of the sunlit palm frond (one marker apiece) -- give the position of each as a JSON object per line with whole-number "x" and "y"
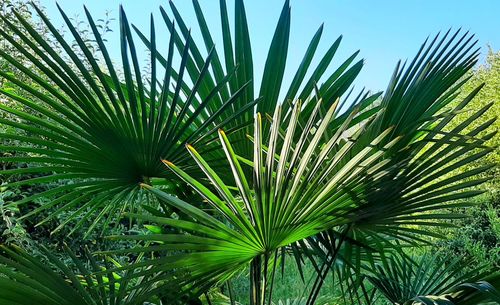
{"x": 294, "y": 195}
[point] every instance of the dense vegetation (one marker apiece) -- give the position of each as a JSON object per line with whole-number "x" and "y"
{"x": 478, "y": 238}
{"x": 185, "y": 182}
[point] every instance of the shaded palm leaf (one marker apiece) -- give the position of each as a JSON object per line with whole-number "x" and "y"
{"x": 29, "y": 280}
{"x": 403, "y": 280}
{"x": 104, "y": 132}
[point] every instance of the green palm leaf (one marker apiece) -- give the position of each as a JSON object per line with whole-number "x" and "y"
{"x": 277, "y": 209}
{"x": 372, "y": 180}
{"x": 105, "y": 132}
{"x": 237, "y": 52}
{"x": 29, "y": 280}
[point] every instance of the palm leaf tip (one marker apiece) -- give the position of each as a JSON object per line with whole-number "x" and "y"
{"x": 144, "y": 185}
{"x": 168, "y": 163}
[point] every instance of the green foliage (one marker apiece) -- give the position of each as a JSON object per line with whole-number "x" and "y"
{"x": 104, "y": 135}
{"x": 377, "y": 186}
{"x": 478, "y": 238}
{"x": 403, "y": 280}
{"x": 340, "y": 184}
{"x": 29, "y": 280}
{"x": 489, "y": 75}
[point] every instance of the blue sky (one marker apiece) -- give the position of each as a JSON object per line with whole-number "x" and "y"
{"x": 384, "y": 31}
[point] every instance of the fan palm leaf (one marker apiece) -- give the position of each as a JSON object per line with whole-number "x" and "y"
{"x": 237, "y": 52}
{"x": 27, "y": 279}
{"x": 403, "y": 280}
{"x": 106, "y": 133}
{"x": 364, "y": 181}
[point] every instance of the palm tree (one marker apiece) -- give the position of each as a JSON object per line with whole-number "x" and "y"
{"x": 341, "y": 186}
{"x": 404, "y": 280}
{"x": 377, "y": 183}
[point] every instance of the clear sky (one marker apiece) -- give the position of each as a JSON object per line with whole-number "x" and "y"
{"x": 384, "y": 31}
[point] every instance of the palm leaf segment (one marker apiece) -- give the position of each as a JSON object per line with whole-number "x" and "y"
{"x": 425, "y": 280}
{"x": 84, "y": 123}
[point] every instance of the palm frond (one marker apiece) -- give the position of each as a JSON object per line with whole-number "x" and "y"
{"x": 30, "y": 280}
{"x": 237, "y": 52}
{"x": 403, "y": 280}
{"x": 375, "y": 180}
{"x": 84, "y": 122}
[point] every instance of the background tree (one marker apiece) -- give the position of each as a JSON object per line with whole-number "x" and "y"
{"x": 478, "y": 238}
